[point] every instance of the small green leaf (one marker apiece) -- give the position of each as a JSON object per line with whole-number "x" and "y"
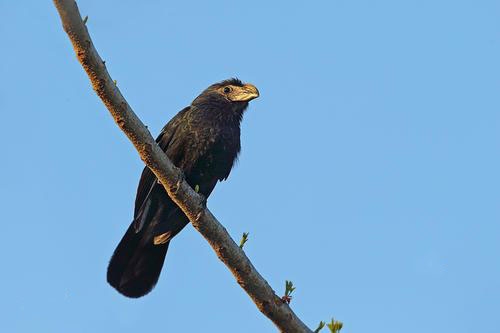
{"x": 85, "y": 19}
{"x": 320, "y": 327}
{"x": 244, "y": 239}
{"x": 335, "y": 326}
{"x": 197, "y": 188}
{"x": 289, "y": 288}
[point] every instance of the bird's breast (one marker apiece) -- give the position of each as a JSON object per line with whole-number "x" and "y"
{"x": 213, "y": 153}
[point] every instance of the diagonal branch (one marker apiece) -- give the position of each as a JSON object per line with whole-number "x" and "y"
{"x": 191, "y": 203}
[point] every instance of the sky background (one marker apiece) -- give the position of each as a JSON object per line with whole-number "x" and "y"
{"x": 369, "y": 174}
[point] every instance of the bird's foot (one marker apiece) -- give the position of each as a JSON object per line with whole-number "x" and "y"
{"x": 203, "y": 206}
{"x": 203, "y": 200}
{"x": 179, "y": 181}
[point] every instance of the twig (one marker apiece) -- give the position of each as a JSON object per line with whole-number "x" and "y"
{"x": 289, "y": 288}
{"x": 191, "y": 203}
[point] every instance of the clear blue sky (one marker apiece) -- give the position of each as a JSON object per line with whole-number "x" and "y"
{"x": 369, "y": 174}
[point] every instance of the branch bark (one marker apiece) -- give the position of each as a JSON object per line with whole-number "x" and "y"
{"x": 191, "y": 203}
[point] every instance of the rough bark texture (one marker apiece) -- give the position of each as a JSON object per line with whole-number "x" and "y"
{"x": 192, "y": 204}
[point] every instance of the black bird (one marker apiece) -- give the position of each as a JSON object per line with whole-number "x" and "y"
{"x": 203, "y": 140}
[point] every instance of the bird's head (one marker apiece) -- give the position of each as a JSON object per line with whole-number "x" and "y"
{"x": 229, "y": 94}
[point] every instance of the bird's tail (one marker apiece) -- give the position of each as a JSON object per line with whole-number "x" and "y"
{"x": 136, "y": 263}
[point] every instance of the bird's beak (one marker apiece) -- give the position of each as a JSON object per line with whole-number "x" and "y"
{"x": 245, "y": 93}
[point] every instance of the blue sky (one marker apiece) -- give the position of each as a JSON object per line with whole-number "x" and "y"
{"x": 369, "y": 174}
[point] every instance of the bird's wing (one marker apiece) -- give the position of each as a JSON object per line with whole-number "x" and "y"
{"x": 148, "y": 179}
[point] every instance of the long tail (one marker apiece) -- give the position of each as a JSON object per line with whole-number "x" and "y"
{"x": 136, "y": 263}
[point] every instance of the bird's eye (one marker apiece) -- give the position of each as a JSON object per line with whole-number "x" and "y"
{"x": 227, "y": 90}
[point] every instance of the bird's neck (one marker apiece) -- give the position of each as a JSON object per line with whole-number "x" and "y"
{"x": 225, "y": 116}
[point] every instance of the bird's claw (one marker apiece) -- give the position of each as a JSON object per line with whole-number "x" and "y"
{"x": 199, "y": 215}
{"x": 203, "y": 206}
{"x": 179, "y": 181}
{"x": 203, "y": 200}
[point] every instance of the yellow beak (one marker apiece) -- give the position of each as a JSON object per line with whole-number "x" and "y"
{"x": 245, "y": 93}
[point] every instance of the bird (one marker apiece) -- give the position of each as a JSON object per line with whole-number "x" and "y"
{"x": 203, "y": 140}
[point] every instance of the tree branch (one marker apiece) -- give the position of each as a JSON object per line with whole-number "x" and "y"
{"x": 191, "y": 203}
